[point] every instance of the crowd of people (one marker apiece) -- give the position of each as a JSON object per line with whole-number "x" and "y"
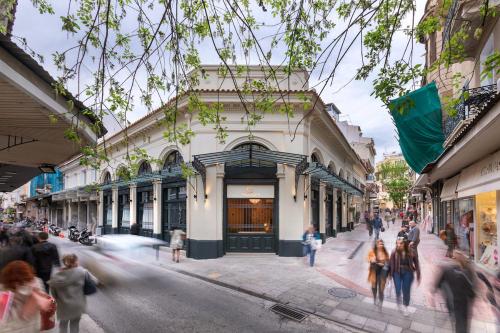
{"x": 36, "y": 284}
{"x": 457, "y": 282}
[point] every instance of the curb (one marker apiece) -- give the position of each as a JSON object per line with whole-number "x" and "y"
{"x": 261, "y": 296}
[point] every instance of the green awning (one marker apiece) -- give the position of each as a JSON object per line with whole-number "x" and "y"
{"x": 174, "y": 172}
{"x": 418, "y": 121}
{"x": 320, "y": 172}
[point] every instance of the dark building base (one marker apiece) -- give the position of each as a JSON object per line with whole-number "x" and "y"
{"x": 323, "y": 237}
{"x": 290, "y": 248}
{"x": 334, "y": 235}
{"x": 204, "y": 249}
{"x": 157, "y": 236}
{"x": 115, "y": 231}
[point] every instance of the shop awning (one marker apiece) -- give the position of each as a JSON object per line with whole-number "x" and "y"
{"x": 449, "y": 191}
{"x": 173, "y": 172}
{"x": 201, "y": 161}
{"x": 319, "y": 171}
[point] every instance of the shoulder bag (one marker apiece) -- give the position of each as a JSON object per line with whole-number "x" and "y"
{"x": 89, "y": 286}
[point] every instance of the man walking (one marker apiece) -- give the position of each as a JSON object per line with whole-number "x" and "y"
{"x": 46, "y": 256}
{"x": 377, "y": 225}
{"x": 414, "y": 235}
{"x": 368, "y": 222}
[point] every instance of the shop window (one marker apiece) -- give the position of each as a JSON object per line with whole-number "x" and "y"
{"x": 464, "y": 224}
{"x": 486, "y": 216}
{"x": 250, "y": 215}
{"x": 144, "y": 168}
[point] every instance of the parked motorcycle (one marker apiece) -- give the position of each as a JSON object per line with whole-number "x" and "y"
{"x": 54, "y": 230}
{"x": 74, "y": 234}
{"x": 85, "y": 237}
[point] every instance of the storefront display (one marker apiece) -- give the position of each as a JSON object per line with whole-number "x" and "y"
{"x": 486, "y": 231}
{"x": 464, "y": 224}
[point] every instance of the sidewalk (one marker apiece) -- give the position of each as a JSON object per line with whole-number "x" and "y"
{"x": 291, "y": 281}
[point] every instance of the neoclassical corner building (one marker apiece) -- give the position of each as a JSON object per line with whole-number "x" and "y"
{"x": 247, "y": 195}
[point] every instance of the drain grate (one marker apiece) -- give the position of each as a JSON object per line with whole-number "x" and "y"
{"x": 288, "y": 312}
{"x": 342, "y": 292}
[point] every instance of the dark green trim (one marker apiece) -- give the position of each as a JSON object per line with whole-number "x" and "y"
{"x": 290, "y": 248}
{"x": 204, "y": 249}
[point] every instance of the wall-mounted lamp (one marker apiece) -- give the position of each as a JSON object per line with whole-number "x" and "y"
{"x": 154, "y": 198}
{"x": 195, "y": 196}
{"x": 206, "y": 196}
{"x": 295, "y": 197}
{"x": 305, "y": 196}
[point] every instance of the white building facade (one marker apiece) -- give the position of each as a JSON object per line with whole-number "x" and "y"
{"x": 248, "y": 194}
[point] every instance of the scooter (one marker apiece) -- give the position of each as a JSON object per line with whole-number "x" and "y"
{"x": 74, "y": 234}
{"x": 84, "y": 238}
{"x": 54, "y": 230}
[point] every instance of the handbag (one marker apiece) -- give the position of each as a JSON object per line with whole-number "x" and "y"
{"x": 89, "y": 286}
{"x": 382, "y": 229}
{"x": 47, "y": 314}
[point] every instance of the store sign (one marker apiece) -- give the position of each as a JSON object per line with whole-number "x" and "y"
{"x": 250, "y": 191}
{"x": 483, "y": 176}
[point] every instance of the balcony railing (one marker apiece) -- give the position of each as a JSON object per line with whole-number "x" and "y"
{"x": 472, "y": 100}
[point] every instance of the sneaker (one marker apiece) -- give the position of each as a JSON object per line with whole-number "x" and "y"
{"x": 406, "y": 313}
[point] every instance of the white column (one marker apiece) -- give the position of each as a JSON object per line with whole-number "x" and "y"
{"x": 322, "y": 208}
{"x": 89, "y": 223}
{"x": 70, "y": 213}
{"x": 133, "y": 204}
{"x": 219, "y": 185}
{"x": 100, "y": 209}
{"x": 114, "y": 208}
{"x": 65, "y": 214}
{"x": 157, "y": 206}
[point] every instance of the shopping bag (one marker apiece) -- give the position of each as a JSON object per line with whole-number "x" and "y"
{"x": 6, "y": 298}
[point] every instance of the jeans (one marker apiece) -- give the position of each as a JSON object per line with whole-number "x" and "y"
{"x": 377, "y": 233}
{"x": 380, "y": 279}
{"x": 403, "y": 280}
{"x": 312, "y": 254}
{"x": 74, "y": 325}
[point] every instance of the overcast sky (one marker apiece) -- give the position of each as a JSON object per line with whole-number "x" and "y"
{"x": 44, "y": 36}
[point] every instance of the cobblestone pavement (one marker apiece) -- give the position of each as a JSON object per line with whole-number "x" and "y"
{"x": 340, "y": 264}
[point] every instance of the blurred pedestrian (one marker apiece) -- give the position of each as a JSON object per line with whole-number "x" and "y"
{"x": 177, "y": 237}
{"x": 414, "y": 235}
{"x": 67, "y": 287}
{"x": 134, "y": 229}
{"x": 368, "y": 221}
{"x": 451, "y": 240}
{"x": 402, "y": 234}
{"x": 378, "y": 257}
{"x": 46, "y": 257}
{"x": 310, "y": 240}
{"x": 387, "y": 217}
{"x": 377, "y": 225}
{"x": 457, "y": 284}
{"x": 16, "y": 250}
{"x": 28, "y": 298}
{"x": 404, "y": 264}
{"x": 4, "y": 237}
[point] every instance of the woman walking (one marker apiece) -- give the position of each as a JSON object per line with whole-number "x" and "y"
{"x": 404, "y": 264}
{"x": 67, "y": 287}
{"x": 378, "y": 257}
{"x": 177, "y": 243}
{"x": 451, "y": 240}
{"x": 28, "y": 299}
{"x": 310, "y": 240}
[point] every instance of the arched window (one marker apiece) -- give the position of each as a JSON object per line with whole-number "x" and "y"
{"x": 251, "y": 161}
{"x": 315, "y": 158}
{"x": 341, "y": 173}
{"x": 144, "y": 168}
{"x": 173, "y": 159}
{"x": 107, "y": 178}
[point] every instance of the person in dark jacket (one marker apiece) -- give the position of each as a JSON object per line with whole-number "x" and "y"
{"x": 457, "y": 286}
{"x": 402, "y": 234}
{"x": 46, "y": 257}
{"x": 134, "y": 229}
{"x": 4, "y": 236}
{"x": 377, "y": 225}
{"x": 16, "y": 250}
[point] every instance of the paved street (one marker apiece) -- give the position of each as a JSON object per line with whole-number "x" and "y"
{"x": 166, "y": 301}
{"x": 228, "y": 293}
